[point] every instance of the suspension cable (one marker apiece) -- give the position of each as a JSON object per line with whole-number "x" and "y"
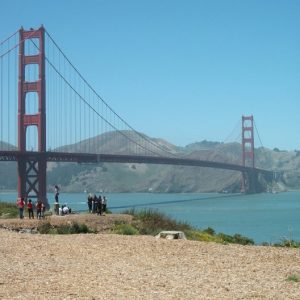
{"x": 17, "y": 45}
{"x": 8, "y": 38}
{"x": 85, "y": 81}
{"x": 258, "y": 134}
{"x": 84, "y": 100}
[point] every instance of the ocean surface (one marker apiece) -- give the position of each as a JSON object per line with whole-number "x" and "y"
{"x": 262, "y": 217}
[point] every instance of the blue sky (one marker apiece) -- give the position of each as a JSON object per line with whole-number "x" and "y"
{"x": 184, "y": 71}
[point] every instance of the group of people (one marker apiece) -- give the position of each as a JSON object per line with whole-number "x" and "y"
{"x": 96, "y": 204}
{"x": 39, "y": 206}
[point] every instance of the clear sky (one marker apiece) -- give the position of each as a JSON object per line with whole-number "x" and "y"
{"x": 182, "y": 70}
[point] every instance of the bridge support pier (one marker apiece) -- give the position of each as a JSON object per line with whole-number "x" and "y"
{"x": 32, "y": 178}
{"x": 252, "y": 183}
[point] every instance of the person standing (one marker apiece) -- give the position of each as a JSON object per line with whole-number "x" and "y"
{"x": 30, "y": 209}
{"x": 21, "y": 204}
{"x": 43, "y": 210}
{"x": 95, "y": 203}
{"x": 89, "y": 201}
{"x": 56, "y": 207}
{"x": 39, "y": 209}
{"x": 104, "y": 204}
{"x": 56, "y": 191}
{"x": 99, "y": 206}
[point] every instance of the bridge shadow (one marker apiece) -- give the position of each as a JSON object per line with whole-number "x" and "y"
{"x": 149, "y": 204}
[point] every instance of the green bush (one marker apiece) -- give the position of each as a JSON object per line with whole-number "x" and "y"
{"x": 73, "y": 228}
{"x": 44, "y": 228}
{"x": 209, "y": 230}
{"x": 225, "y": 238}
{"x": 294, "y": 277}
{"x": 126, "y": 229}
{"x": 288, "y": 243}
{"x": 242, "y": 240}
{"x": 64, "y": 229}
{"x": 235, "y": 239}
{"x": 8, "y": 210}
{"x": 151, "y": 222}
{"x": 198, "y": 235}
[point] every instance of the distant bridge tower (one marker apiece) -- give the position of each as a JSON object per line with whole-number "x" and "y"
{"x": 249, "y": 179}
{"x": 248, "y": 141}
{"x": 32, "y": 168}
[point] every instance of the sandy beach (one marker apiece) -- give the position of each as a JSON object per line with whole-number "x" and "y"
{"x": 109, "y": 266}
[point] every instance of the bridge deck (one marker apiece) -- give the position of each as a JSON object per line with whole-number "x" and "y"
{"x": 116, "y": 158}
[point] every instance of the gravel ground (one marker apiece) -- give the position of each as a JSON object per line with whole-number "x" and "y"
{"x": 108, "y": 266}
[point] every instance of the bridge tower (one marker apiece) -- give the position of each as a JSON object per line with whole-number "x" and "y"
{"x": 31, "y": 167}
{"x": 249, "y": 179}
{"x": 248, "y": 141}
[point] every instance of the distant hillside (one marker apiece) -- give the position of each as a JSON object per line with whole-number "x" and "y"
{"x": 113, "y": 177}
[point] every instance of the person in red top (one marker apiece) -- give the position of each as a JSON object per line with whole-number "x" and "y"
{"x": 21, "y": 204}
{"x": 39, "y": 207}
{"x": 30, "y": 209}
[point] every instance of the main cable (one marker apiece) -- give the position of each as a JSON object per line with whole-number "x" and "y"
{"x": 85, "y": 81}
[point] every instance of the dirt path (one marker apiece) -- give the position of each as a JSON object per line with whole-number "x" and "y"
{"x": 108, "y": 266}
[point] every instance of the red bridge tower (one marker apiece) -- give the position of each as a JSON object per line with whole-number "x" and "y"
{"x": 248, "y": 141}
{"x": 32, "y": 168}
{"x": 249, "y": 180}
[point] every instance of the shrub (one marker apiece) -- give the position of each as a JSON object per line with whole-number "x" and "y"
{"x": 198, "y": 235}
{"x": 151, "y": 222}
{"x": 44, "y": 228}
{"x": 73, "y": 228}
{"x": 242, "y": 240}
{"x": 235, "y": 239}
{"x": 288, "y": 243}
{"x": 8, "y": 210}
{"x": 225, "y": 238}
{"x": 294, "y": 277}
{"x": 209, "y": 230}
{"x": 64, "y": 229}
{"x": 126, "y": 229}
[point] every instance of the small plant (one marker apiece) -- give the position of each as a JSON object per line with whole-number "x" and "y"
{"x": 287, "y": 243}
{"x": 151, "y": 222}
{"x": 198, "y": 235}
{"x": 209, "y": 230}
{"x": 242, "y": 240}
{"x": 126, "y": 229}
{"x": 294, "y": 277}
{"x": 235, "y": 239}
{"x": 73, "y": 228}
{"x": 44, "y": 228}
{"x": 8, "y": 210}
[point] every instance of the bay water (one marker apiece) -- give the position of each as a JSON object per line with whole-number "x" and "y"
{"x": 262, "y": 217}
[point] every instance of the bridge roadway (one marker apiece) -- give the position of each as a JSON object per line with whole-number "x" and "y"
{"x": 117, "y": 158}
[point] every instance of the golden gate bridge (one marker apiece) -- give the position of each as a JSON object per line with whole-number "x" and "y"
{"x": 49, "y": 112}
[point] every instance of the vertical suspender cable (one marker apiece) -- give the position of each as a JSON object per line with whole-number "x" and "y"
{"x": 15, "y": 89}
{"x": 8, "y": 95}
{"x": 1, "y": 100}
